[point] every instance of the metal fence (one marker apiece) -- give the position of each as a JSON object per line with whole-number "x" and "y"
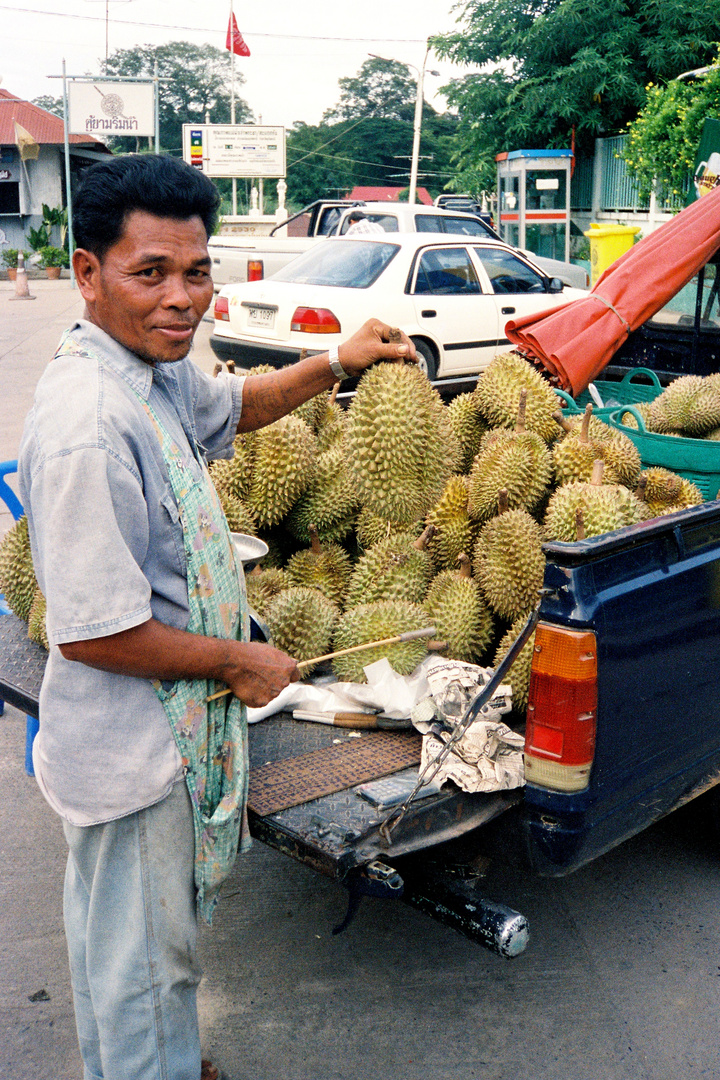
{"x": 618, "y": 191}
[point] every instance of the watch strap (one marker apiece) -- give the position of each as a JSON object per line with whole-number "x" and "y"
{"x": 336, "y": 367}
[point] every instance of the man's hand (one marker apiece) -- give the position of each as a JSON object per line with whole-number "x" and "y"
{"x": 261, "y": 673}
{"x": 374, "y": 341}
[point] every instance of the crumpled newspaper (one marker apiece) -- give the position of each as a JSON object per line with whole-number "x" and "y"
{"x": 488, "y": 756}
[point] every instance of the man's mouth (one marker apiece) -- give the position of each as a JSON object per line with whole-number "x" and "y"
{"x": 177, "y": 331}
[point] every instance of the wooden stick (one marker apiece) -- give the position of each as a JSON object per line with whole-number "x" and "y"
{"x": 409, "y": 635}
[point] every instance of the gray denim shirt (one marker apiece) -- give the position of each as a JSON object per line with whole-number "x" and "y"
{"x": 108, "y": 553}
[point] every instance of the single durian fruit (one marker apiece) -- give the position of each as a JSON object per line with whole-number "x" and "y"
{"x": 399, "y": 443}
{"x": 398, "y": 568}
{"x": 370, "y": 528}
{"x": 509, "y": 562}
{"x": 459, "y": 614}
{"x": 602, "y": 508}
{"x": 455, "y": 531}
{"x": 469, "y": 426}
{"x": 575, "y": 454}
{"x": 519, "y": 674}
{"x": 689, "y": 404}
{"x": 376, "y": 622}
{"x": 662, "y": 488}
{"x": 628, "y": 419}
{"x": 326, "y": 567}
{"x": 263, "y": 585}
{"x": 330, "y": 503}
{"x": 517, "y": 461}
{"x": 301, "y": 622}
{"x": 238, "y": 514}
{"x": 17, "y": 576}
{"x": 498, "y": 395}
{"x": 37, "y": 628}
{"x": 232, "y": 476}
{"x": 283, "y": 468}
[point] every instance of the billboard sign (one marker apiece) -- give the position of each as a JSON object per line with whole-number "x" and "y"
{"x": 229, "y": 150}
{"x": 111, "y": 108}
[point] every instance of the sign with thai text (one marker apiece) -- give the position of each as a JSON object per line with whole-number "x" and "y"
{"x": 235, "y": 150}
{"x": 111, "y": 108}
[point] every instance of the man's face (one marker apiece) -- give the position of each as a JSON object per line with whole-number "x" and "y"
{"x": 152, "y": 287}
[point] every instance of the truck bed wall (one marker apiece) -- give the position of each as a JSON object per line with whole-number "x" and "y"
{"x": 651, "y": 593}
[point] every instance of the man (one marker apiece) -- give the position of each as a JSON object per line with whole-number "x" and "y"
{"x": 145, "y": 608}
{"x": 361, "y": 225}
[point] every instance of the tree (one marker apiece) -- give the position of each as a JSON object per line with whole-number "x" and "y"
{"x": 49, "y": 104}
{"x": 551, "y": 67}
{"x": 382, "y": 89}
{"x": 199, "y": 86}
{"x": 663, "y": 141}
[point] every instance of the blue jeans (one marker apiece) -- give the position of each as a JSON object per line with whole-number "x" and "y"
{"x": 131, "y": 928}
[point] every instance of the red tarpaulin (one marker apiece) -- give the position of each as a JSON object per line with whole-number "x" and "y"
{"x": 575, "y": 342}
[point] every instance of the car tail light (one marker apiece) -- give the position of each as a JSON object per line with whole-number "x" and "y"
{"x": 222, "y": 311}
{"x": 310, "y": 320}
{"x": 562, "y": 708}
{"x": 255, "y": 270}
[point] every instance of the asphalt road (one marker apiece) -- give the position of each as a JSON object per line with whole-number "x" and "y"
{"x": 620, "y": 981}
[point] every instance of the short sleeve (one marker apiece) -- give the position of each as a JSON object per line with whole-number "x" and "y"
{"x": 89, "y": 530}
{"x": 216, "y": 410}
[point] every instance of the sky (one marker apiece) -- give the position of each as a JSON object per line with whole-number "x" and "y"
{"x": 298, "y": 50}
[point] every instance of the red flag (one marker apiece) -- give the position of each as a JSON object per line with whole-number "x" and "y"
{"x": 235, "y": 41}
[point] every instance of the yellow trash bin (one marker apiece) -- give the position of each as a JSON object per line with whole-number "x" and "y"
{"x": 608, "y": 243}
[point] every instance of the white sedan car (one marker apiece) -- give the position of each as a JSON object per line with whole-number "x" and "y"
{"x": 451, "y": 295}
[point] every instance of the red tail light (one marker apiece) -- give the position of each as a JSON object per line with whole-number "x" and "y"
{"x": 222, "y": 311}
{"x": 255, "y": 270}
{"x": 309, "y": 320}
{"x": 562, "y": 708}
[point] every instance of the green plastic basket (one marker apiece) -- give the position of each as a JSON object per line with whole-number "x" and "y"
{"x": 625, "y": 392}
{"x": 695, "y": 459}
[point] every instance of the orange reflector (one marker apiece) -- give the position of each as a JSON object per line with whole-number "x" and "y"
{"x": 571, "y": 654}
{"x": 255, "y": 270}
{"x": 222, "y": 311}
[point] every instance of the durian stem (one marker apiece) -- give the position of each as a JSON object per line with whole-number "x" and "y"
{"x": 465, "y": 565}
{"x": 315, "y": 545}
{"x": 230, "y": 364}
{"x": 217, "y": 369}
{"x": 585, "y": 426}
{"x": 333, "y": 393}
{"x": 425, "y": 537}
{"x": 562, "y": 420}
{"x": 579, "y": 524}
{"x": 303, "y": 354}
{"x": 503, "y": 501}
{"x": 598, "y": 472}
{"x": 522, "y": 409}
{"x": 640, "y": 489}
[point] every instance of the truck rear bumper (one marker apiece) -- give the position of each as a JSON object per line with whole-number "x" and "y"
{"x": 247, "y": 354}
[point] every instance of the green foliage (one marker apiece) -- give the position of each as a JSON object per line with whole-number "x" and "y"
{"x": 663, "y": 141}
{"x": 49, "y": 104}
{"x": 54, "y": 256}
{"x": 382, "y": 89}
{"x": 548, "y": 66}
{"x": 56, "y": 216}
{"x": 10, "y": 257}
{"x": 200, "y": 85}
{"x": 38, "y": 238}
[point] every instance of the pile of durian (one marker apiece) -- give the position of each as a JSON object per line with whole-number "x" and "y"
{"x": 689, "y": 407}
{"x": 401, "y": 513}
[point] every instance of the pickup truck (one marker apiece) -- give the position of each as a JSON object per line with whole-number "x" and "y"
{"x": 623, "y": 724}
{"x": 246, "y": 258}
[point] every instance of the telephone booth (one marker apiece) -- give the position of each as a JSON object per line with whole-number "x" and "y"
{"x": 534, "y": 201}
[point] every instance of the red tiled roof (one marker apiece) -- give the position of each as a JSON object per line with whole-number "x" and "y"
{"x": 42, "y": 125}
{"x": 387, "y": 194}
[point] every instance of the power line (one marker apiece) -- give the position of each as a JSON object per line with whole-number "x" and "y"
{"x": 209, "y": 29}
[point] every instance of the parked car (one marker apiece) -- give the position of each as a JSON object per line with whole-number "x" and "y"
{"x": 451, "y": 295}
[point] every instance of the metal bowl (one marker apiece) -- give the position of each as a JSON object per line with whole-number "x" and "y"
{"x": 249, "y": 548}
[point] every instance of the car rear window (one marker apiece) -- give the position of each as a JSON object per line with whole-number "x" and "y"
{"x": 468, "y": 226}
{"x": 388, "y": 222}
{"x": 349, "y": 264}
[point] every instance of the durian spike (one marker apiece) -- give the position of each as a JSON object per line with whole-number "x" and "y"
{"x": 503, "y": 503}
{"x": 640, "y": 489}
{"x": 303, "y": 354}
{"x": 465, "y": 565}
{"x": 579, "y": 524}
{"x": 560, "y": 418}
{"x": 522, "y": 409}
{"x": 315, "y": 545}
{"x": 598, "y": 472}
{"x": 425, "y": 537}
{"x": 217, "y": 369}
{"x": 584, "y": 436}
{"x": 333, "y": 393}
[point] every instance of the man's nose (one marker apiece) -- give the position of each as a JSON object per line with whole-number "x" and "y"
{"x": 176, "y": 292}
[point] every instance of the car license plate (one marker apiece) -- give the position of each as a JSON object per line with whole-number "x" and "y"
{"x": 262, "y": 317}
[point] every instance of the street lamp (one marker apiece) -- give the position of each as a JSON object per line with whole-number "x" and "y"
{"x": 417, "y": 123}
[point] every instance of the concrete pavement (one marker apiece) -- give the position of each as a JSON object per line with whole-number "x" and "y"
{"x": 621, "y": 980}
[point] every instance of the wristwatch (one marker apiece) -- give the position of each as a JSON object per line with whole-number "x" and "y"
{"x": 336, "y": 367}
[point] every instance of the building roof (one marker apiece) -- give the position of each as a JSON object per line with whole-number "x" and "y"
{"x": 387, "y": 194}
{"x": 42, "y": 125}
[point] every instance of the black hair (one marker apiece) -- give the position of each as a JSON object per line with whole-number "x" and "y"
{"x": 158, "y": 184}
{"x": 356, "y": 215}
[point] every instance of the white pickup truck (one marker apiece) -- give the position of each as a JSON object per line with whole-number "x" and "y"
{"x": 247, "y": 258}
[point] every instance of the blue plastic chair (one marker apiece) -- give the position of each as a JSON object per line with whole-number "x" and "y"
{"x": 14, "y": 505}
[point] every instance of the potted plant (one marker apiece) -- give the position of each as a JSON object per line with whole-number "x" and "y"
{"x": 53, "y": 259}
{"x": 10, "y": 261}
